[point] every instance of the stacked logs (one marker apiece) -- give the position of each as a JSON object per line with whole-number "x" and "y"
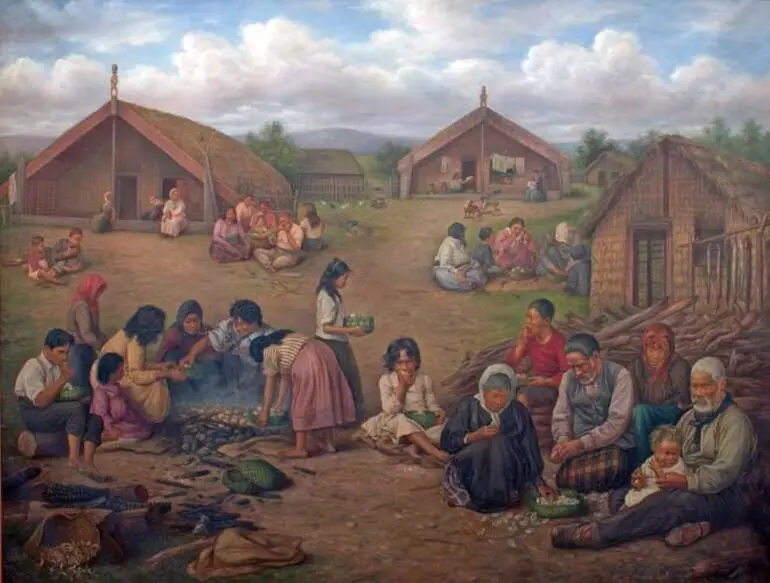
{"x": 735, "y": 337}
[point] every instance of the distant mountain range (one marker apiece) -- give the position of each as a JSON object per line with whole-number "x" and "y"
{"x": 358, "y": 142}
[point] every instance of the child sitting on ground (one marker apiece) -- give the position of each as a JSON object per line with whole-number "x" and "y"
{"x": 123, "y": 419}
{"x": 666, "y": 444}
{"x": 482, "y": 264}
{"x": 37, "y": 265}
{"x": 67, "y": 253}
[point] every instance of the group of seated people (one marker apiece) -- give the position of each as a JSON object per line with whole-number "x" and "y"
{"x": 45, "y": 264}
{"x": 678, "y": 457}
{"x": 512, "y": 250}
{"x": 273, "y": 239}
{"x": 170, "y": 213}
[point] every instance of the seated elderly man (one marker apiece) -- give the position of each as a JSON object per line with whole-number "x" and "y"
{"x": 591, "y": 420}
{"x": 719, "y": 449}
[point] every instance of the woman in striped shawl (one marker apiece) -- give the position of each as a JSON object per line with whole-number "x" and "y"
{"x": 321, "y": 398}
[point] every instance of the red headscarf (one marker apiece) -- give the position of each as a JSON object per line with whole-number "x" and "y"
{"x": 661, "y": 336}
{"x": 88, "y": 290}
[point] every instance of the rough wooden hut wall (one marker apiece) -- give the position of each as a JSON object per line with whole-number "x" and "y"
{"x": 82, "y": 173}
{"x": 331, "y": 187}
{"x": 468, "y": 146}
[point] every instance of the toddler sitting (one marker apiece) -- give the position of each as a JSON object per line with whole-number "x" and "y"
{"x": 666, "y": 444}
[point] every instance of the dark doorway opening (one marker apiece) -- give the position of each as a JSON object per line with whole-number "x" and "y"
{"x": 468, "y": 169}
{"x": 602, "y": 178}
{"x": 127, "y": 202}
{"x": 650, "y": 267}
{"x": 168, "y": 185}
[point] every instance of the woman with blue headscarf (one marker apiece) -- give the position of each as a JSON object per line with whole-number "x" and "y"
{"x": 495, "y": 453}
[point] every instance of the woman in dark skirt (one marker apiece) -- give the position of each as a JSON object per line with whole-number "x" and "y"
{"x": 83, "y": 324}
{"x": 331, "y": 330}
{"x": 184, "y": 333}
{"x": 495, "y": 453}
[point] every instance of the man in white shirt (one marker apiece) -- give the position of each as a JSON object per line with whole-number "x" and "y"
{"x": 288, "y": 246}
{"x": 37, "y": 388}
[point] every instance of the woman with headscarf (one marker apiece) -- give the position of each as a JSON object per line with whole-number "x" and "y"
{"x": 452, "y": 261}
{"x": 495, "y": 454}
{"x": 146, "y": 383}
{"x": 556, "y": 256}
{"x": 228, "y": 241}
{"x": 186, "y": 331}
{"x": 83, "y": 324}
{"x": 515, "y": 248}
{"x": 105, "y": 220}
{"x": 174, "y": 220}
{"x": 662, "y": 385}
{"x": 331, "y": 329}
{"x": 410, "y": 412}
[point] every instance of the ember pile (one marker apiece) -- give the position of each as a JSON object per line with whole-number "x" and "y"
{"x": 207, "y": 428}
{"x": 736, "y": 338}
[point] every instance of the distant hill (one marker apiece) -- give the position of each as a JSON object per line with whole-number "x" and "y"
{"x": 359, "y": 142}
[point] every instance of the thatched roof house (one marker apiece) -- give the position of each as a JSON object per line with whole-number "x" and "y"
{"x": 688, "y": 221}
{"x": 138, "y": 152}
{"x": 331, "y": 174}
{"x": 489, "y": 152}
{"x": 607, "y": 168}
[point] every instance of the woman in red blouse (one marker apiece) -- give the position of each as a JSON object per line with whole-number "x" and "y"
{"x": 544, "y": 348}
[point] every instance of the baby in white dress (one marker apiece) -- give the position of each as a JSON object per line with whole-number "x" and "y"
{"x": 666, "y": 459}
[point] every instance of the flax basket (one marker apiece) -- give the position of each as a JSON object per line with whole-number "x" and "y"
{"x": 65, "y": 527}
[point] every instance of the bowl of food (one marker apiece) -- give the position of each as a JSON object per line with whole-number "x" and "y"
{"x": 70, "y": 392}
{"x": 262, "y": 238}
{"x": 567, "y": 504}
{"x": 362, "y": 321}
{"x": 521, "y": 274}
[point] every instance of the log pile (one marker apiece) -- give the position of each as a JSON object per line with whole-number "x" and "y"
{"x": 737, "y": 338}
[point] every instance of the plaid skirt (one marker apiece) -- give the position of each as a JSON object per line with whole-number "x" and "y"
{"x": 599, "y": 470}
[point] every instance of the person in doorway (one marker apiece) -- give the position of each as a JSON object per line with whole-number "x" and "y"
{"x": 410, "y": 412}
{"x": 288, "y": 246}
{"x": 37, "y": 388}
{"x": 313, "y": 228}
{"x": 174, "y": 220}
{"x": 591, "y": 421}
{"x": 495, "y": 453}
{"x": 717, "y": 489}
{"x": 83, "y": 324}
{"x": 331, "y": 329}
{"x": 68, "y": 253}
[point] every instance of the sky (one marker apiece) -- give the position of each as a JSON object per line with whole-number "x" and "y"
{"x": 397, "y": 67}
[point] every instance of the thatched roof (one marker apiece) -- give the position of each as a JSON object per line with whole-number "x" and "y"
{"x": 233, "y": 164}
{"x": 627, "y": 161}
{"x": 744, "y": 184}
{"x": 330, "y": 161}
{"x": 495, "y": 120}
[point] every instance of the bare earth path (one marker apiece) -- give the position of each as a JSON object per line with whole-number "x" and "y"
{"x": 362, "y": 518}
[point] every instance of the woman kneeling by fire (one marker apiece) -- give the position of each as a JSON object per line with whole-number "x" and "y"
{"x": 321, "y": 399}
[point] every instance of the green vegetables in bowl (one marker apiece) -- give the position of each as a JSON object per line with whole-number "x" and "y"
{"x": 366, "y": 323}
{"x": 567, "y": 505}
{"x": 70, "y": 392}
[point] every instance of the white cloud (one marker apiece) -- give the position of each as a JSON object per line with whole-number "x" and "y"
{"x": 101, "y": 27}
{"x": 280, "y": 69}
{"x": 737, "y": 16}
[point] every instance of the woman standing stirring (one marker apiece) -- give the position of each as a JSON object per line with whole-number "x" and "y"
{"x": 331, "y": 329}
{"x": 83, "y": 324}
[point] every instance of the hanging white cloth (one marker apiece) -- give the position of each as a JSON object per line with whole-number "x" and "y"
{"x": 12, "y": 189}
{"x": 502, "y": 163}
{"x": 444, "y": 164}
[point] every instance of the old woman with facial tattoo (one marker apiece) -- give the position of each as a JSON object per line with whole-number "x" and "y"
{"x": 495, "y": 454}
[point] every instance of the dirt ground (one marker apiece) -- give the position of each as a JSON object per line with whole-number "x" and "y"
{"x": 362, "y": 517}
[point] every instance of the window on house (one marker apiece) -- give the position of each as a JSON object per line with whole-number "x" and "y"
{"x": 650, "y": 268}
{"x": 602, "y": 179}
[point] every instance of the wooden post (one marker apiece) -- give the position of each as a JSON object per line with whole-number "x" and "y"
{"x": 483, "y": 166}
{"x": 21, "y": 187}
{"x": 114, "y": 113}
{"x": 761, "y": 264}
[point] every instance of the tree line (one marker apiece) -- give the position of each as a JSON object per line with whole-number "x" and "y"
{"x": 750, "y": 141}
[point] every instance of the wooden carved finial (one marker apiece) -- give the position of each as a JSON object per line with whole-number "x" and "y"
{"x": 114, "y": 83}
{"x": 483, "y": 96}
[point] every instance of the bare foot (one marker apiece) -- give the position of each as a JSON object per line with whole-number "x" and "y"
{"x": 294, "y": 453}
{"x": 92, "y": 473}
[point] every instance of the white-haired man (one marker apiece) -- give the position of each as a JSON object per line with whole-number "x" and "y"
{"x": 719, "y": 447}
